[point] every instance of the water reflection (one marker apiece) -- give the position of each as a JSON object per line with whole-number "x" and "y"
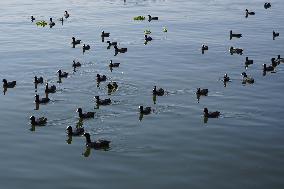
{"x": 87, "y": 152}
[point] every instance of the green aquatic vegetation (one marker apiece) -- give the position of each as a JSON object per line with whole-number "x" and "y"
{"x": 41, "y": 23}
{"x": 139, "y": 18}
{"x": 147, "y": 32}
{"x": 165, "y": 29}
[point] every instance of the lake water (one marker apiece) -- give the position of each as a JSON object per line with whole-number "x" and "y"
{"x": 170, "y": 148}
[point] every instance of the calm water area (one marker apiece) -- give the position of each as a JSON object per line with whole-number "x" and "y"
{"x": 173, "y": 147}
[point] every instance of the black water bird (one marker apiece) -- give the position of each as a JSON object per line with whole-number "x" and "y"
{"x": 101, "y": 78}
{"x": 158, "y": 92}
{"x": 39, "y": 121}
{"x": 237, "y": 35}
{"x": 98, "y": 145}
{"x": 66, "y": 14}
{"x": 85, "y": 115}
{"x": 32, "y": 18}
{"x": 76, "y": 132}
{"x": 51, "y": 23}
{"x": 275, "y": 34}
{"x": 99, "y": 101}
{"x": 203, "y": 92}
{"x": 62, "y": 74}
{"x": 51, "y": 89}
{"x": 10, "y": 84}
{"x": 150, "y": 18}
{"x": 38, "y": 80}
{"x": 145, "y": 111}
{"x": 247, "y": 79}
{"x": 208, "y": 114}
{"x": 41, "y": 100}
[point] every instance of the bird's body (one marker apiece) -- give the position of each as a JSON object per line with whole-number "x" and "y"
{"x": 158, "y": 92}
{"x": 150, "y": 18}
{"x": 10, "y": 84}
{"x": 211, "y": 114}
{"x": 236, "y": 50}
{"x": 85, "y": 115}
{"x": 112, "y": 86}
{"x": 247, "y": 79}
{"x": 38, "y": 80}
{"x": 66, "y": 14}
{"x": 268, "y": 68}
{"x": 237, "y": 35}
{"x": 75, "y": 42}
{"x": 62, "y": 74}
{"x": 145, "y": 111}
{"x": 51, "y": 89}
{"x": 226, "y": 78}
{"x": 104, "y": 34}
{"x": 120, "y": 50}
{"x": 203, "y": 92}
{"x": 99, "y": 101}
{"x": 148, "y": 38}
{"x": 98, "y": 145}
{"x": 113, "y": 65}
{"x": 248, "y": 62}
{"x": 77, "y": 132}
{"x": 101, "y": 78}
{"x": 41, "y": 100}
{"x": 39, "y": 121}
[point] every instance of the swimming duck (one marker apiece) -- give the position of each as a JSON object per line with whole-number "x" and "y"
{"x": 86, "y": 47}
{"x": 39, "y": 121}
{"x": 101, "y": 78}
{"x": 112, "y": 65}
{"x": 267, "y": 5}
{"x": 85, "y": 115}
{"x": 7, "y": 84}
{"x": 61, "y": 20}
{"x": 249, "y": 13}
{"x": 267, "y": 68}
{"x": 120, "y": 50}
{"x": 226, "y": 78}
{"x": 104, "y": 34}
{"x": 275, "y": 34}
{"x": 99, "y": 101}
{"x": 112, "y": 86}
{"x": 43, "y": 100}
{"x": 248, "y": 62}
{"x": 238, "y": 35}
{"x": 38, "y": 80}
{"x": 75, "y": 42}
{"x": 51, "y": 23}
{"x": 112, "y": 43}
{"x": 76, "y": 64}
{"x": 247, "y": 79}
{"x": 62, "y": 74}
{"x": 202, "y": 92}
{"x": 274, "y": 62}
{"x": 159, "y": 92}
{"x": 99, "y": 144}
{"x": 148, "y": 38}
{"x": 236, "y": 50}
{"x": 146, "y": 110}
{"x": 211, "y": 114}
{"x": 32, "y": 18}
{"x": 280, "y": 59}
{"x": 66, "y": 14}
{"x": 204, "y": 47}
{"x": 78, "y": 132}
{"x": 51, "y": 89}
{"x": 150, "y": 18}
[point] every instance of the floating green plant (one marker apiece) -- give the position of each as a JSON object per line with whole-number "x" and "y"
{"x": 41, "y": 23}
{"x": 147, "y": 32}
{"x": 139, "y": 18}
